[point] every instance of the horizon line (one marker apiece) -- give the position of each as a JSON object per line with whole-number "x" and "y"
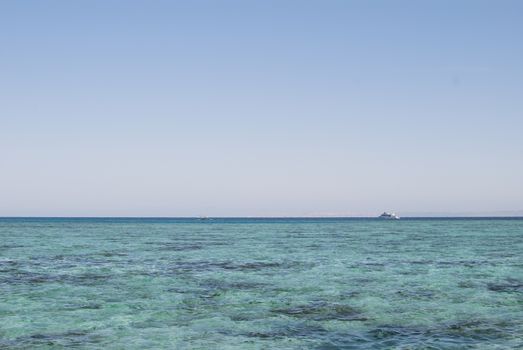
{"x": 264, "y": 217}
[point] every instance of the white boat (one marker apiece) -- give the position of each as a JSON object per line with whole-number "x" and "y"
{"x": 387, "y": 215}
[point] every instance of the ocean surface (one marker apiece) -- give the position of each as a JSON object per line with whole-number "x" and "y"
{"x": 261, "y": 284}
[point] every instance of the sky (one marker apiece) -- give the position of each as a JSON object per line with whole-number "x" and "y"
{"x": 260, "y": 108}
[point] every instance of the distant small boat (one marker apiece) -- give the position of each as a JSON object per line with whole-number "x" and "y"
{"x": 387, "y": 215}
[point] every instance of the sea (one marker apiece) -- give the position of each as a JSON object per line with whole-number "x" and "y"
{"x": 286, "y": 283}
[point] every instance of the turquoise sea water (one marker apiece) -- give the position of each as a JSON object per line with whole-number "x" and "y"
{"x": 261, "y": 284}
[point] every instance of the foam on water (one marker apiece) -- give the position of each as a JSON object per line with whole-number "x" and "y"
{"x": 256, "y": 284}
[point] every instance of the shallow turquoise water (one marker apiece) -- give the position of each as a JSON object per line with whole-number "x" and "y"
{"x": 261, "y": 284}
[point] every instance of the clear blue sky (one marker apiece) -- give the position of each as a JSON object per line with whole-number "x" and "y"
{"x": 177, "y": 108}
